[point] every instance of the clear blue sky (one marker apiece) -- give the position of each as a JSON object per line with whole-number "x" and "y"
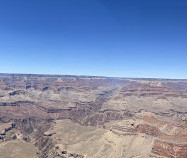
{"x": 127, "y": 38}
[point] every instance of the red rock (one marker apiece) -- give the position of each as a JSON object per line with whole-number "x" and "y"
{"x": 170, "y": 150}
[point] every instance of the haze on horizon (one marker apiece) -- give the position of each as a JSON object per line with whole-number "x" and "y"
{"x": 97, "y": 37}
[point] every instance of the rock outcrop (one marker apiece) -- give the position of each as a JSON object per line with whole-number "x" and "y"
{"x": 69, "y": 116}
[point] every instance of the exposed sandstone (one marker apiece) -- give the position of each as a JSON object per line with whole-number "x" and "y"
{"x": 169, "y": 149}
{"x": 63, "y": 115}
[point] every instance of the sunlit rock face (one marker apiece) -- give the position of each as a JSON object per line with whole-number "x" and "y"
{"x": 92, "y": 117}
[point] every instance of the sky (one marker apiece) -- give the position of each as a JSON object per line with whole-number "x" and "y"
{"x": 116, "y": 38}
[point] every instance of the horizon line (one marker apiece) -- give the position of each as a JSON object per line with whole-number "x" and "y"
{"x": 45, "y": 74}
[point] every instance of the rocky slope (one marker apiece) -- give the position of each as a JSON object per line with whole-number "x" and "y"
{"x": 92, "y": 117}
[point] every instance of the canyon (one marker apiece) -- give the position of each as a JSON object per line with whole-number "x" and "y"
{"x": 62, "y": 116}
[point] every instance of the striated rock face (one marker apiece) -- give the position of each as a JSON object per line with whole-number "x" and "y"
{"x": 168, "y": 149}
{"x": 70, "y": 116}
{"x": 101, "y": 118}
{"x": 32, "y": 130}
{"x": 149, "y": 130}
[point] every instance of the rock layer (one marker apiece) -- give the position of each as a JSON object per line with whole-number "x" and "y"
{"x": 68, "y": 116}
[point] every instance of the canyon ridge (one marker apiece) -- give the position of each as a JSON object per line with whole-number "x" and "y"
{"x": 64, "y": 116}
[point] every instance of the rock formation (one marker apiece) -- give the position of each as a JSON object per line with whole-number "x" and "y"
{"x": 92, "y": 117}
